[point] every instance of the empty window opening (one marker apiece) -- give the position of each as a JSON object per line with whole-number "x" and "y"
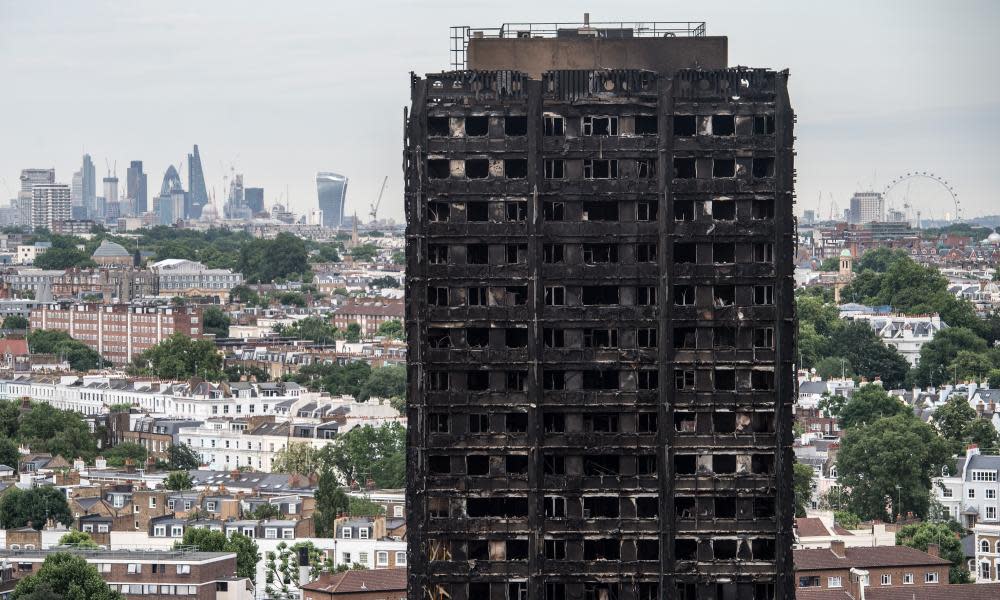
{"x": 554, "y": 465}
{"x": 437, "y": 254}
{"x": 646, "y": 211}
{"x": 724, "y": 167}
{"x": 684, "y": 464}
{"x": 439, "y": 338}
{"x": 554, "y": 380}
{"x": 723, "y": 210}
{"x": 645, "y": 337}
{"x": 555, "y": 506}
{"x": 684, "y": 380}
{"x": 646, "y": 125}
{"x": 477, "y": 296}
{"x": 762, "y": 464}
{"x": 684, "y": 294}
{"x": 600, "y": 295}
{"x": 601, "y": 549}
{"x": 600, "y": 125}
{"x": 438, "y": 423}
{"x": 555, "y": 295}
{"x": 600, "y": 422}
{"x": 684, "y": 210}
{"x": 553, "y": 125}
{"x": 597, "y": 507}
{"x": 685, "y": 549}
{"x": 600, "y": 338}
{"x": 477, "y": 168}
{"x": 763, "y": 125}
{"x": 437, "y": 380}
{"x": 725, "y": 380}
{"x": 645, "y": 168}
{"x": 596, "y": 465}
{"x": 496, "y": 507}
{"x": 645, "y": 464}
{"x": 477, "y": 381}
{"x": 554, "y": 423}
{"x": 439, "y": 465}
{"x": 762, "y": 422}
{"x": 685, "y": 252}
{"x": 515, "y": 125}
{"x": 438, "y": 127}
{"x": 763, "y": 508}
{"x": 648, "y": 380}
{"x": 477, "y": 254}
{"x": 438, "y": 168}
{"x": 647, "y": 507}
{"x": 763, "y": 253}
{"x": 555, "y": 549}
{"x": 649, "y": 590}
{"x": 477, "y": 126}
{"x": 516, "y": 337}
{"x": 600, "y": 253}
{"x": 685, "y": 422}
{"x": 553, "y": 591}
{"x": 685, "y": 338}
{"x": 723, "y": 295}
{"x": 725, "y": 508}
{"x": 553, "y": 253}
{"x": 645, "y": 295}
{"x": 606, "y": 168}
{"x": 438, "y": 212}
{"x": 517, "y": 381}
{"x": 724, "y": 549}
{"x": 517, "y": 422}
{"x": 515, "y": 168}
{"x": 516, "y": 295}
{"x": 477, "y": 212}
{"x": 646, "y": 422}
{"x": 645, "y": 253}
{"x": 600, "y": 211}
{"x": 685, "y": 125}
{"x": 723, "y": 422}
{"x": 600, "y": 380}
{"x": 516, "y": 464}
{"x": 555, "y": 168}
{"x": 516, "y": 253}
{"x": 723, "y": 463}
{"x": 477, "y": 337}
{"x": 553, "y": 211}
{"x": 647, "y": 550}
{"x": 723, "y": 125}
{"x": 684, "y": 168}
{"x": 477, "y": 464}
{"x": 763, "y": 295}
{"x": 478, "y": 550}
{"x": 479, "y": 423}
{"x": 684, "y": 507}
{"x": 724, "y": 253}
{"x": 762, "y": 209}
{"x": 438, "y": 508}
{"x": 553, "y": 338}
{"x": 762, "y": 549}
{"x": 763, "y": 337}
{"x": 763, "y": 167}
{"x": 724, "y": 337}
{"x": 517, "y": 211}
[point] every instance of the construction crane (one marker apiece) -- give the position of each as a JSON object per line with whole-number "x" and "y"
{"x": 375, "y": 206}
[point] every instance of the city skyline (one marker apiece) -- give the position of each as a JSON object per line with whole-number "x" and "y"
{"x": 865, "y": 108}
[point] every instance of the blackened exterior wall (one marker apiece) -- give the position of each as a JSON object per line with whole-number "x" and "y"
{"x": 600, "y": 356}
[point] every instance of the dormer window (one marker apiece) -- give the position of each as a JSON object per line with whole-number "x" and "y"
{"x": 363, "y": 533}
{"x": 345, "y": 532}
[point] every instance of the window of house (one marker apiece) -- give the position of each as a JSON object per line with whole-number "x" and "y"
{"x": 152, "y": 502}
{"x": 400, "y": 559}
{"x": 103, "y": 567}
{"x": 381, "y": 559}
{"x": 833, "y": 582}
{"x": 811, "y": 581}
{"x": 363, "y": 533}
{"x": 134, "y": 568}
{"x": 972, "y": 493}
{"x": 288, "y": 533}
{"x": 345, "y": 532}
{"x": 991, "y": 513}
{"x": 907, "y": 578}
{"x": 271, "y": 533}
{"x": 176, "y": 531}
{"x": 990, "y": 494}
{"x": 645, "y": 253}
{"x": 931, "y": 577}
{"x": 886, "y": 579}
{"x": 984, "y": 475}
{"x": 160, "y": 531}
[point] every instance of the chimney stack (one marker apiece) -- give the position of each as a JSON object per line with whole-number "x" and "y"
{"x": 933, "y": 550}
{"x": 837, "y": 547}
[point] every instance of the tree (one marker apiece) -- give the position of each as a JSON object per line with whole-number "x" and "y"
{"x": 364, "y": 252}
{"x": 972, "y": 366}
{"x": 880, "y": 259}
{"x": 281, "y": 568}
{"x": 392, "y": 329}
{"x": 206, "y": 540}
{"x": 15, "y": 322}
{"x": 250, "y": 372}
{"x": 80, "y": 356}
{"x": 384, "y": 282}
{"x": 203, "y": 539}
{"x": 834, "y": 367}
{"x": 18, "y": 507}
{"x": 283, "y": 257}
{"x": 10, "y": 419}
{"x": 868, "y": 404}
{"x": 59, "y": 432}
{"x": 330, "y": 501}
{"x": 802, "y": 477}
{"x": 863, "y": 349}
{"x": 954, "y": 419}
{"x": 937, "y": 355}
{"x": 63, "y": 258}
{"x": 846, "y": 519}
{"x": 364, "y": 452}
{"x": 118, "y": 455}
{"x": 920, "y": 536}
{"x": 180, "y": 357}
{"x": 880, "y": 455}
{"x": 384, "y": 382}
{"x": 333, "y": 378}
{"x": 353, "y": 333}
{"x": 9, "y": 454}
{"x": 244, "y": 295}
{"x": 316, "y": 329}
{"x": 68, "y": 577}
{"x": 297, "y": 457}
{"x": 215, "y": 321}
{"x": 983, "y": 434}
{"x": 178, "y": 481}
{"x": 80, "y": 539}
{"x": 266, "y": 511}
{"x": 830, "y": 263}
{"x": 182, "y": 457}
{"x": 832, "y": 406}
{"x": 398, "y": 258}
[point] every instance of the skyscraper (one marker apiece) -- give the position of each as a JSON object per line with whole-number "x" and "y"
{"x": 332, "y": 189}
{"x": 867, "y": 207}
{"x": 50, "y": 203}
{"x": 29, "y": 179}
{"x": 600, "y": 320}
{"x": 136, "y": 180}
{"x": 89, "y": 180}
{"x": 254, "y": 199}
{"x": 110, "y": 194}
{"x": 197, "y": 194}
{"x": 171, "y": 193}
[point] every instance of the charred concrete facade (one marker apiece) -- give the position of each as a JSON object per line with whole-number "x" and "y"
{"x": 601, "y": 335}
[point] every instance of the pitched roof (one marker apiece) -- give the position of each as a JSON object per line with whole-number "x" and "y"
{"x": 960, "y": 591}
{"x": 14, "y": 347}
{"x": 379, "y": 580}
{"x": 810, "y": 527}
{"x": 880, "y": 556}
{"x": 822, "y": 594}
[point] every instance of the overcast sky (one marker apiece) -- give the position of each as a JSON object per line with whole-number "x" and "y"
{"x": 280, "y": 90}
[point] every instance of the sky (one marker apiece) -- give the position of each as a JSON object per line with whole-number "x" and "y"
{"x": 280, "y": 90}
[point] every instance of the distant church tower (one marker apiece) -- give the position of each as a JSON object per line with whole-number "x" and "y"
{"x": 845, "y": 275}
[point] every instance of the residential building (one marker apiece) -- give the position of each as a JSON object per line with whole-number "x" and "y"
{"x": 600, "y": 319}
{"x": 906, "y": 333}
{"x": 358, "y": 585}
{"x": 867, "y": 207}
{"x": 332, "y": 191}
{"x": 369, "y": 313}
{"x": 119, "y": 332}
{"x": 849, "y": 568}
{"x": 968, "y": 488}
{"x": 49, "y": 204}
{"x": 987, "y": 548}
{"x": 27, "y": 254}
{"x": 180, "y": 277}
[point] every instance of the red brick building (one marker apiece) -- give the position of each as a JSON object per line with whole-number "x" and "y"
{"x": 118, "y": 332}
{"x": 379, "y": 584}
{"x": 845, "y": 569}
{"x": 369, "y": 313}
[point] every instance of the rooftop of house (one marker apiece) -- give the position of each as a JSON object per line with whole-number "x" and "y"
{"x": 963, "y": 591}
{"x": 378, "y": 580}
{"x": 132, "y": 555}
{"x": 813, "y": 559}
